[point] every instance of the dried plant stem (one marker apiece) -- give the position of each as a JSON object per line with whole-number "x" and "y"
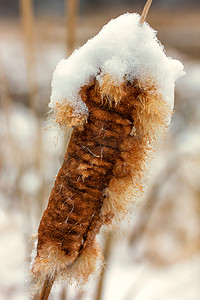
{"x": 27, "y": 17}
{"x": 71, "y": 14}
{"x": 145, "y": 11}
{"x": 106, "y": 255}
{"x": 63, "y": 295}
{"x": 46, "y": 288}
{"x": 28, "y": 29}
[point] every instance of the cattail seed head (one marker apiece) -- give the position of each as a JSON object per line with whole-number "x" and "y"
{"x": 119, "y": 102}
{"x": 102, "y": 175}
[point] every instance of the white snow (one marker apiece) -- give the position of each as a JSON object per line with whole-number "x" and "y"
{"x": 12, "y": 256}
{"x": 144, "y": 282}
{"x": 124, "y": 48}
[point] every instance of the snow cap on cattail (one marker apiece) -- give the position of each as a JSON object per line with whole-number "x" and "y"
{"x": 124, "y": 49}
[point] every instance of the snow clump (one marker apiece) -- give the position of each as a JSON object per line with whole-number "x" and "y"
{"x": 124, "y": 48}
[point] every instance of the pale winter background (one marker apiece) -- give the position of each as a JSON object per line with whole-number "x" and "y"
{"x": 157, "y": 257}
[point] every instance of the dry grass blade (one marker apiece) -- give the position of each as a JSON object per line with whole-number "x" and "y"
{"x": 145, "y": 11}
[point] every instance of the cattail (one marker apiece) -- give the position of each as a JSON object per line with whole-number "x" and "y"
{"x": 117, "y": 94}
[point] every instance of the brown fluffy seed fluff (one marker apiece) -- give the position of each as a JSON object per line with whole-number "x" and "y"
{"x": 102, "y": 174}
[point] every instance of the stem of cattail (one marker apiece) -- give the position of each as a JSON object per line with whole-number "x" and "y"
{"x": 63, "y": 294}
{"x": 71, "y": 12}
{"x": 46, "y": 289}
{"x": 145, "y": 11}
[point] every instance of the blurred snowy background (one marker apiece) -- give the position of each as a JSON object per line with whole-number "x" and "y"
{"x": 158, "y": 256}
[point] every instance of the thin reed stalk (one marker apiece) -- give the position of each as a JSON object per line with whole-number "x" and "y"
{"x": 71, "y": 15}
{"x": 27, "y": 19}
{"x": 145, "y": 11}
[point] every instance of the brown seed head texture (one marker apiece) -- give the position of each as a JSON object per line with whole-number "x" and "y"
{"x": 102, "y": 174}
